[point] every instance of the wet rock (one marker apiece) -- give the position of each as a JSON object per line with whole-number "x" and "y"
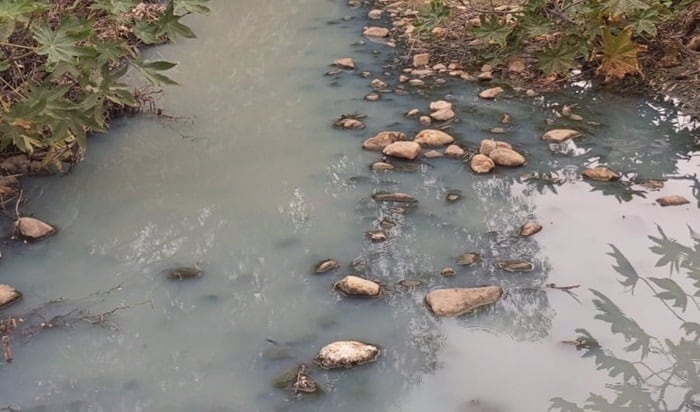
{"x": 403, "y": 78}
{"x": 403, "y": 149}
{"x": 382, "y": 166}
{"x": 457, "y": 301}
{"x": 349, "y": 123}
{"x": 516, "y": 266}
{"x": 440, "y": 105}
{"x": 373, "y": 97}
{"x": 425, "y": 120}
{"x": 443, "y": 115}
{"x": 600, "y": 174}
{"x": 8, "y": 296}
{"x": 530, "y": 93}
{"x": 485, "y": 76}
{"x": 375, "y": 14}
{"x": 560, "y": 135}
{"x": 413, "y": 113}
{"x": 303, "y": 382}
{"x": 378, "y": 84}
{"x": 453, "y": 196}
{"x": 356, "y": 286}
{"x": 672, "y": 200}
{"x": 481, "y": 163}
{"x": 326, "y": 265}
{"x": 365, "y": 74}
{"x": 33, "y": 229}
{"x": 377, "y": 236}
{"x": 432, "y": 137}
{"x": 491, "y": 93}
{"x": 447, "y": 272}
{"x": 468, "y": 259}
{"x": 409, "y": 283}
{"x": 394, "y": 197}
{"x": 487, "y": 146}
{"x": 505, "y": 118}
{"x": 416, "y": 82}
{"x": 431, "y": 154}
{"x": 346, "y": 354}
{"x": 529, "y": 229}
{"x": 387, "y": 224}
{"x": 507, "y": 157}
{"x": 382, "y": 139}
{"x": 421, "y": 60}
{"x": 184, "y": 272}
{"x": 376, "y": 32}
{"x": 454, "y": 151}
{"x": 345, "y": 63}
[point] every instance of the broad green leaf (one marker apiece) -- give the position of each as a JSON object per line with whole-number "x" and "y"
{"x": 59, "y": 45}
{"x": 623, "y": 7}
{"x": 169, "y": 26}
{"x": 158, "y": 65}
{"x": 7, "y": 27}
{"x": 671, "y": 292}
{"x": 191, "y": 6}
{"x": 621, "y": 324}
{"x": 492, "y": 31}
{"x": 624, "y": 268}
{"x": 557, "y": 60}
{"x": 645, "y": 21}
{"x": 146, "y": 32}
{"x": 19, "y": 10}
{"x": 150, "y": 71}
{"x": 617, "y": 54}
{"x": 114, "y": 6}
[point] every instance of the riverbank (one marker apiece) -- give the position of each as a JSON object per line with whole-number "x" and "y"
{"x": 483, "y": 40}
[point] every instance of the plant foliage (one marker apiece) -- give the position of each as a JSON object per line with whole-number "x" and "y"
{"x": 63, "y": 63}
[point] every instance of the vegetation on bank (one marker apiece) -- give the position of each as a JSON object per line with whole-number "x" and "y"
{"x": 62, "y": 68}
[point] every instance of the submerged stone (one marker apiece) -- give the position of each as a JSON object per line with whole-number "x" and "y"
{"x": 457, "y": 301}
{"x": 349, "y": 123}
{"x": 394, "y": 197}
{"x": 382, "y": 166}
{"x": 448, "y": 272}
{"x": 326, "y": 265}
{"x": 8, "y": 295}
{"x": 672, "y": 200}
{"x": 468, "y": 259}
{"x": 529, "y": 229}
{"x": 516, "y": 266}
{"x": 346, "y": 354}
{"x": 409, "y": 283}
{"x": 33, "y": 229}
{"x": 560, "y": 135}
{"x": 453, "y": 196}
{"x": 377, "y": 236}
{"x": 600, "y": 174}
{"x": 356, "y": 286}
{"x": 184, "y": 272}
{"x": 345, "y": 63}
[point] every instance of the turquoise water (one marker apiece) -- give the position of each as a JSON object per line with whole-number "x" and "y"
{"x": 252, "y": 181}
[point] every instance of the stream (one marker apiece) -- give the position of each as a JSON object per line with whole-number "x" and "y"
{"x": 250, "y": 180}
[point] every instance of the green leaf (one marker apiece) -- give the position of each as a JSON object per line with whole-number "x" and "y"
{"x": 492, "y": 31}
{"x": 671, "y": 292}
{"x": 146, "y": 32}
{"x": 4, "y": 66}
{"x": 150, "y": 69}
{"x": 645, "y": 21}
{"x": 7, "y": 27}
{"x": 60, "y": 44}
{"x": 169, "y": 26}
{"x": 158, "y": 65}
{"x": 623, "y": 7}
{"x": 624, "y": 268}
{"x": 557, "y": 60}
{"x": 191, "y": 6}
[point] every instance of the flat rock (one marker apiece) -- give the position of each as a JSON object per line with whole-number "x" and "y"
{"x": 33, "y": 229}
{"x": 600, "y": 174}
{"x": 8, "y": 295}
{"x": 421, "y": 60}
{"x": 672, "y": 200}
{"x": 456, "y": 301}
{"x": 394, "y": 197}
{"x": 403, "y": 149}
{"x": 440, "y": 105}
{"x": 356, "y": 286}
{"x": 326, "y": 265}
{"x": 529, "y": 229}
{"x": 454, "y": 151}
{"x": 345, "y": 63}
{"x": 346, "y": 354}
{"x": 481, "y": 164}
{"x": 516, "y": 266}
{"x": 432, "y": 137}
{"x": 382, "y": 166}
{"x": 507, "y": 157}
{"x": 560, "y": 135}
{"x": 442, "y": 115}
{"x": 468, "y": 259}
{"x": 184, "y": 272}
{"x": 382, "y": 139}
{"x": 376, "y": 32}
{"x": 491, "y": 93}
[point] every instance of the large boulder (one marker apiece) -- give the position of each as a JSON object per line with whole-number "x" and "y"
{"x": 456, "y": 301}
{"x": 33, "y": 229}
{"x": 346, "y": 354}
{"x": 356, "y": 286}
{"x": 8, "y": 295}
{"x": 404, "y": 150}
{"x": 432, "y": 137}
{"x": 560, "y": 135}
{"x": 382, "y": 140}
{"x": 507, "y": 157}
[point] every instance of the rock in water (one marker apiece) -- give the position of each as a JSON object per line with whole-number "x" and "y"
{"x": 454, "y": 151}
{"x": 383, "y": 139}
{"x": 456, "y": 301}
{"x": 346, "y": 354}
{"x": 394, "y": 197}
{"x": 432, "y": 137}
{"x": 404, "y": 150}
{"x": 491, "y": 93}
{"x": 672, "y": 200}
{"x": 326, "y": 265}
{"x": 184, "y": 272}
{"x": 8, "y": 295}
{"x": 33, "y": 229}
{"x": 382, "y": 166}
{"x": 376, "y": 32}
{"x": 448, "y": 272}
{"x": 377, "y": 236}
{"x": 468, "y": 259}
{"x": 482, "y": 164}
{"x": 443, "y": 115}
{"x": 438, "y": 105}
{"x": 560, "y": 135}
{"x": 303, "y": 382}
{"x": 600, "y": 174}
{"x": 529, "y": 229}
{"x": 357, "y": 286}
{"x": 507, "y": 157}
{"x": 489, "y": 145}
{"x": 345, "y": 63}
{"x": 516, "y": 266}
